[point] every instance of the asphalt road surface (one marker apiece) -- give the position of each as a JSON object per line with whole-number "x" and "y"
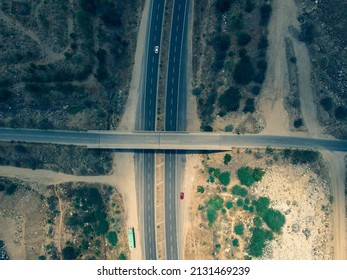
{"x": 204, "y": 141}
{"x": 146, "y": 161}
{"x": 175, "y": 113}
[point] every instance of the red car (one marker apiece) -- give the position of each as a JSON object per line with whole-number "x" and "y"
{"x": 182, "y": 195}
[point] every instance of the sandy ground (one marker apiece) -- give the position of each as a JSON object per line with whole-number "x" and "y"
{"x": 276, "y": 87}
{"x": 337, "y": 167}
{"x": 300, "y": 194}
{"x": 294, "y": 190}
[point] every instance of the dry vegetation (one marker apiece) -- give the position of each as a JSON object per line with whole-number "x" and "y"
{"x": 67, "y": 221}
{"x": 60, "y": 158}
{"x": 297, "y": 185}
{"x": 229, "y": 61}
{"x": 323, "y": 29}
{"x": 66, "y": 64}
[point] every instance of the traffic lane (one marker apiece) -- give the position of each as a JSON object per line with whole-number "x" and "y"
{"x": 170, "y": 205}
{"x": 183, "y": 83}
{"x": 149, "y": 213}
{"x": 173, "y": 77}
{"x": 150, "y": 97}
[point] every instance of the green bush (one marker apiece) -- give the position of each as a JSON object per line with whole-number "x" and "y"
{"x": 341, "y": 113}
{"x": 235, "y": 242}
{"x": 274, "y": 220}
{"x": 303, "y": 157}
{"x": 215, "y": 202}
{"x": 258, "y": 174}
{"x": 122, "y": 256}
{"x": 229, "y": 128}
{"x": 245, "y": 175}
{"x": 229, "y": 205}
{"x": 243, "y": 38}
{"x": 247, "y": 201}
{"x": 249, "y": 106}
{"x": 4, "y": 95}
{"x": 224, "y": 211}
{"x": 211, "y": 216}
{"x": 201, "y": 189}
{"x": 239, "y": 229}
{"x": 230, "y": 99}
{"x": 227, "y": 159}
{"x": 222, "y": 6}
{"x": 258, "y": 241}
{"x": 327, "y": 103}
{"x": 298, "y": 123}
{"x": 69, "y": 253}
{"x": 224, "y": 178}
{"x": 263, "y": 43}
{"x": 265, "y": 13}
{"x": 244, "y": 71}
{"x": 258, "y": 222}
{"x": 238, "y": 190}
{"x": 262, "y": 206}
{"x": 256, "y": 90}
{"x": 239, "y": 202}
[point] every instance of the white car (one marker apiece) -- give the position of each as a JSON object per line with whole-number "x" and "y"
{"x": 156, "y": 49}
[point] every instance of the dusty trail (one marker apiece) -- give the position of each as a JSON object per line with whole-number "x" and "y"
{"x": 337, "y": 171}
{"x": 276, "y": 87}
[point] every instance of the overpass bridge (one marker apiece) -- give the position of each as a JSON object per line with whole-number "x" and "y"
{"x": 145, "y": 140}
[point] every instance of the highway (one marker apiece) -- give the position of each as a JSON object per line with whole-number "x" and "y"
{"x": 199, "y": 141}
{"x": 147, "y": 116}
{"x": 175, "y": 112}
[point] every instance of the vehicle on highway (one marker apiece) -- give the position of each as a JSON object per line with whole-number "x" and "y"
{"x": 182, "y": 195}
{"x": 156, "y": 49}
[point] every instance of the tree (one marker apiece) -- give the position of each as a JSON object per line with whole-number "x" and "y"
{"x": 249, "y": 106}
{"x": 258, "y": 174}
{"x": 224, "y": 178}
{"x": 238, "y": 229}
{"x": 122, "y": 256}
{"x": 262, "y": 206}
{"x": 244, "y": 71}
{"x": 239, "y": 202}
{"x": 230, "y": 99}
{"x": 215, "y": 202}
{"x": 258, "y": 241}
{"x": 238, "y": 190}
{"x": 4, "y": 95}
{"x": 257, "y": 222}
{"x": 243, "y": 38}
{"x": 298, "y": 123}
{"x": 69, "y": 253}
{"x": 211, "y": 216}
{"x": 229, "y": 205}
{"x": 274, "y": 220}
{"x": 223, "y": 6}
{"x": 227, "y": 159}
{"x": 326, "y": 103}
{"x": 265, "y": 13}
{"x": 245, "y": 175}
{"x": 112, "y": 238}
{"x": 341, "y": 113}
